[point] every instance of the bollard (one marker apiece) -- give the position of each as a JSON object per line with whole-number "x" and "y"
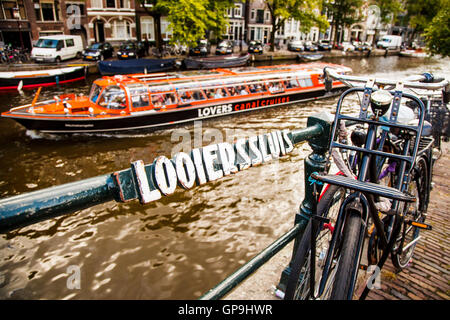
{"x": 315, "y": 162}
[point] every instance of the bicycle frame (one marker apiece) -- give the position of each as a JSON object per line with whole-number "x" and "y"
{"x": 363, "y": 203}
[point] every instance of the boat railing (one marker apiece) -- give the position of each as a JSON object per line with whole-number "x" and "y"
{"x": 137, "y": 182}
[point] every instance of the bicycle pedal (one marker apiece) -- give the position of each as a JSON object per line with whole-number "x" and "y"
{"x": 420, "y": 225}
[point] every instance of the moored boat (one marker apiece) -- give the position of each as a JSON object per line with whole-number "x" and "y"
{"x": 228, "y": 61}
{"x": 414, "y": 54}
{"x": 114, "y": 67}
{"x": 139, "y": 101}
{"x": 12, "y": 80}
{"x": 309, "y": 57}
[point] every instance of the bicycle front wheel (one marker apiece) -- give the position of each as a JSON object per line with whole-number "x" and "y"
{"x": 299, "y": 287}
{"x": 348, "y": 261}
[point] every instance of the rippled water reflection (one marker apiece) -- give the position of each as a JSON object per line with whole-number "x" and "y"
{"x": 177, "y": 248}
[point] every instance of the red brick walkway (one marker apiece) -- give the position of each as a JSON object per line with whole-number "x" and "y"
{"x": 428, "y": 276}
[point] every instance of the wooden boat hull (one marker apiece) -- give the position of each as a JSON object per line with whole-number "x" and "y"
{"x": 309, "y": 57}
{"x": 40, "y": 78}
{"x": 216, "y": 62}
{"x": 158, "y": 119}
{"x": 135, "y": 66}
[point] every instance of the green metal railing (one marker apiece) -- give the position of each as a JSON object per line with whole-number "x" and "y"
{"x": 26, "y": 209}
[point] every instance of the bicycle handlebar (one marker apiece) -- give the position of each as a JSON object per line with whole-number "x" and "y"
{"x": 410, "y": 82}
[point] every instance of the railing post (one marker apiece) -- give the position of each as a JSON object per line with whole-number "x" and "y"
{"x": 314, "y": 162}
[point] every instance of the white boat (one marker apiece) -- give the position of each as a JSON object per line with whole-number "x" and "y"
{"x": 414, "y": 54}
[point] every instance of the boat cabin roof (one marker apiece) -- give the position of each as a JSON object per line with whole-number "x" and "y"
{"x": 160, "y": 82}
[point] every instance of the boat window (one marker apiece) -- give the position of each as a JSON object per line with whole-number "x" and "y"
{"x": 275, "y": 86}
{"x": 291, "y": 83}
{"x": 139, "y": 97}
{"x": 163, "y": 99}
{"x": 217, "y": 93}
{"x": 95, "y": 91}
{"x": 187, "y": 96}
{"x": 233, "y": 91}
{"x": 305, "y": 82}
{"x": 113, "y": 97}
{"x": 242, "y": 90}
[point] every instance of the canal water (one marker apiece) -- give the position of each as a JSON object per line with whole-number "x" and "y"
{"x": 176, "y": 248}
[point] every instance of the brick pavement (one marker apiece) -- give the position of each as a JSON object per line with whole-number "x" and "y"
{"x": 428, "y": 275}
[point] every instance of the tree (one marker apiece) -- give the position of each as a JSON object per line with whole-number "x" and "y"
{"x": 437, "y": 34}
{"x": 388, "y": 11}
{"x": 156, "y": 10}
{"x": 343, "y": 14}
{"x": 307, "y": 12}
{"x": 420, "y": 13}
{"x": 190, "y": 20}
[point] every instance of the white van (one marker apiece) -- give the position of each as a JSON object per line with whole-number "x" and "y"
{"x": 390, "y": 42}
{"x": 57, "y": 48}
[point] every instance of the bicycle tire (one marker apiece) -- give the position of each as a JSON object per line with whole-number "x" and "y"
{"x": 345, "y": 277}
{"x": 330, "y": 201}
{"x": 413, "y": 211}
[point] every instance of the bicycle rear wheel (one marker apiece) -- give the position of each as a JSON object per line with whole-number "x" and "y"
{"x": 408, "y": 237}
{"x": 299, "y": 287}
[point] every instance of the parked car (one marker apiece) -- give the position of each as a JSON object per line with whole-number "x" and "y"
{"x": 131, "y": 50}
{"x": 203, "y": 48}
{"x": 295, "y": 45}
{"x": 57, "y": 48}
{"x": 255, "y": 47}
{"x": 310, "y": 46}
{"x": 347, "y": 46}
{"x": 225, "y": 47}
{"x": 98, "y": 51}
{"x": 324, "y": 45}
{"x": 338, "y": 45}
{"x": 364, "y": 46}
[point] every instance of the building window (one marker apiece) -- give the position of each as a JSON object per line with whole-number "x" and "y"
{"x": 7, "y": 9}
{"x": 125, "y": 4}
{"x": 80, "y": 6}
{"x": 252, "y": 14}
{"x": 97, "y": 3}
{"x": 260, "y": 16}
{"x": 238, "y": 11}
{"x": 166, "y": 30}
{"x": 110, "y": 3}
{"x": 147, "y": 28}
{"x": 121, "y": 29}
{"x": 230, "y": 12}
{"x": 46, "y": 10}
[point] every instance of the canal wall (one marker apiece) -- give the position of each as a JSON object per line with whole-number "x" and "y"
{"x": 278, "y": 55}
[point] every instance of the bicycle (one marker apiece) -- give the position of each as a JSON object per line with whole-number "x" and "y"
{"x": 381, "y": 192}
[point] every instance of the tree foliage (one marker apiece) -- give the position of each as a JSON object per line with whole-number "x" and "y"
{"x": 307, "y": 12}
{"x": 389, "y": 9}
{"x": 420, "y": 13}
{"x": 344, "y": 13}
{"x": 190, "y": 20}
{"x": 437, "y": 33}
